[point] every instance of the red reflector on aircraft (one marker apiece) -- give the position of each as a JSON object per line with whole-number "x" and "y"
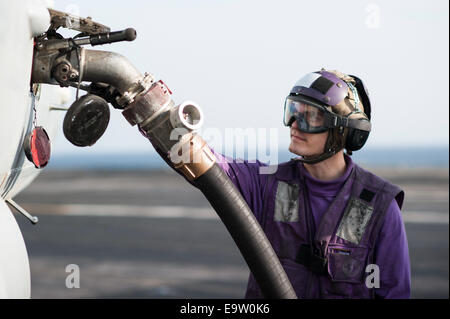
{"x": 37, "y": 147}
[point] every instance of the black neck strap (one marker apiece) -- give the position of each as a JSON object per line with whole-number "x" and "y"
{"x": 317, "y": 158}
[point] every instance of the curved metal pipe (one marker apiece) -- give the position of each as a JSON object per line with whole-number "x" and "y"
{"x": 109, "y": 67}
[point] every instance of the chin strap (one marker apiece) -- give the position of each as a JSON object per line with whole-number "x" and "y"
{"x": 317, "y": 158}
{"x": 330, "y": 149}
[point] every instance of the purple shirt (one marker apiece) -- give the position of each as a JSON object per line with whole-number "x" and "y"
{"x": 391, "y": 249}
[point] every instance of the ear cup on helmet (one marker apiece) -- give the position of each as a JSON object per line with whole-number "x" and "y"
{"x": 356, "y": 138}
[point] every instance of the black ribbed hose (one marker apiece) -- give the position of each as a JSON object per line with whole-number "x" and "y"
{"x": 245, "y": 230}
{"x": 243, "y": 227}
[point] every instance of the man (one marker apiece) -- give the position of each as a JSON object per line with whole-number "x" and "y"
{"x": 336, "y": 228}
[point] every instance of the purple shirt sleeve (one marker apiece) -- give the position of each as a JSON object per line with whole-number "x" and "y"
{"x": 392, "y": 256}
{"x": 247, "y": 178}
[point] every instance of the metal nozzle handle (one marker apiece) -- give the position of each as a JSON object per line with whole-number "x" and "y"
{"x": 110, "y": 37}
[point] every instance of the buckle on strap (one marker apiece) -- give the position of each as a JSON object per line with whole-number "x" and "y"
{"x": 313, "y": 262}
{"x": 341, "y": 122}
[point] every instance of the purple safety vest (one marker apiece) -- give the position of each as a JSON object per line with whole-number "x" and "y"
{"x": 332, "y": 264}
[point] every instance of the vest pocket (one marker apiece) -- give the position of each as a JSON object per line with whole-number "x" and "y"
{"x": 346, "y": 266}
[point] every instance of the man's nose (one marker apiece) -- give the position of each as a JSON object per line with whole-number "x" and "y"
{"x": 294, "y": 125}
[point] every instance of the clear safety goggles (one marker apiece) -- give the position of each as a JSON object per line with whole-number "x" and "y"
{"x": 309, "y": 118}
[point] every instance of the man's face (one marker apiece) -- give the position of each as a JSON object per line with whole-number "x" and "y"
{"x": 306, "y": 144}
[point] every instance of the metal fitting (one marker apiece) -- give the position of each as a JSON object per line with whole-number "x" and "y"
{"x": 187, "y": 115}
{"x": 192, "y": 157}
{"x": 171, "y": 129}
{"x": 146, "y": 107}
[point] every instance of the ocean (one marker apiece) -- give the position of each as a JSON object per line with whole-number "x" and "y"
{"x": 410, "y": 157}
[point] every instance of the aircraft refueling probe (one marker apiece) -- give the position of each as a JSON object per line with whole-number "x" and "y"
{"x": 147, "y": 104}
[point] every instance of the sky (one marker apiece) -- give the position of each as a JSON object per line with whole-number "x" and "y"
{"x": 239, "y": 59}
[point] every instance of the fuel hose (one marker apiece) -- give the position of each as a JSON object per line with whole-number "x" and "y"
{"x": 245, "y": 230}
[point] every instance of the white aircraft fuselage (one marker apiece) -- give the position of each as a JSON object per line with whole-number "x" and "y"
{"x": 20, "y": 22}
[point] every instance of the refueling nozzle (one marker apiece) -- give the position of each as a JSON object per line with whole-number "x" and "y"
{"x": 59, "y": 60}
